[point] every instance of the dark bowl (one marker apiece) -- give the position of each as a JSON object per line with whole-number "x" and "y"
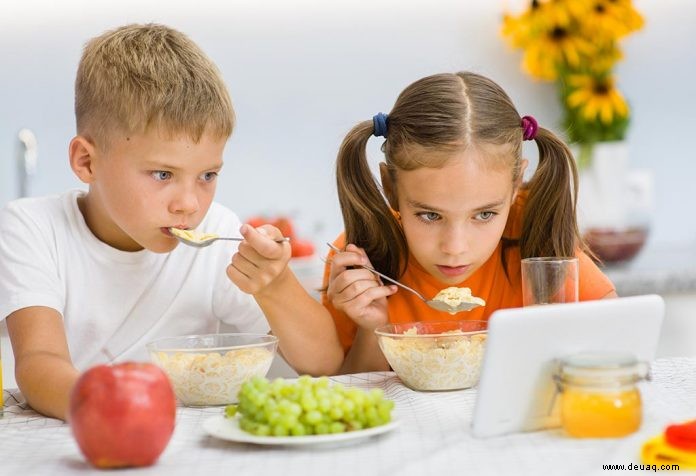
{"x": 616, "y": 245}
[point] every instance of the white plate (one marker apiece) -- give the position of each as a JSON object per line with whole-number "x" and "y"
{"x": 228, "y": 429}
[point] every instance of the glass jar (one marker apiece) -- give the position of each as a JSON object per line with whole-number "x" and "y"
{"x": 599, "y": 396}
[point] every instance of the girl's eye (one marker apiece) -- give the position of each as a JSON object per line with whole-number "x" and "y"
{"x": 428, "y": 217}
{"x": 161, "y": 175}
{"x": 209, "y": 176}
{"x": 485, "y": 216}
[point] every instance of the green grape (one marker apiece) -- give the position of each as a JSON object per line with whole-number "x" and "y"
{"x": 263, "y": 430}
{"x": 296, "y": 409}
{"x": 336, "y": 413}
{"x": 348, "y": 406}
{"x": 298, "y": 430}
{"x": 274, "y": 417}
{"x": 308, "y": 403}
{"x": 354, "y": 425}
{"x": 288, "y": 421}
{"x": 337, "y": 427}
{"x": 313, "y": 417}
{"x": 324, "y": 404}
{"x": 307, "y": 406}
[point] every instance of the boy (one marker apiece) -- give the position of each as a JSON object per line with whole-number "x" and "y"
{"x": 92, "y": 277}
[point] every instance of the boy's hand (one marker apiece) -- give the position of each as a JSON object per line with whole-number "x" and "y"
{"x": 356, "y": 291}
{"x": 259, "y": 261}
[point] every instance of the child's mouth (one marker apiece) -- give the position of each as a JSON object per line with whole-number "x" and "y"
{"x": 166, "y": 231}
{"x": 453, "y": 270}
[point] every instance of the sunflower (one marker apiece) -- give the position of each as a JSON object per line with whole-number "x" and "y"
{"x": 575, "y": 43}
{"x": 540, "y": 17}
{"x": 558, "y": 46}
{"x": 596, "y": 97}
{"x": 611, "y": 19}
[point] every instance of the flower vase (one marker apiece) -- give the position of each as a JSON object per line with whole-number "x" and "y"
{"x": 614, "y": 202}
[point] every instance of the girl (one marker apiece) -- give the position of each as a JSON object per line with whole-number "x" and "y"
{"x": 456, "y": 211}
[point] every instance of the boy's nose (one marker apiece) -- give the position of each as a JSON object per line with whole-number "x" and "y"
{"x": 185, "y": 202}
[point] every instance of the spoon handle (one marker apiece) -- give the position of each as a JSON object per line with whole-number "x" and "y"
{"x": 234, "y": 238}
{"x": 383, "y": 276}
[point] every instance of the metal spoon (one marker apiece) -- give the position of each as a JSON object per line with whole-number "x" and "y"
{"x": 438, "y": 305}
{"x": 210, "y": 239}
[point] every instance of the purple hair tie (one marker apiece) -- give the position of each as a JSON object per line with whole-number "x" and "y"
{"x": 530, "y": 128}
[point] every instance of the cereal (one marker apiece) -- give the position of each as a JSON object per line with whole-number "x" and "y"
{"x": 454, "y": 296}
{"x": 192, "y": 235}
{"x": 212, "y": 378}
{"x": 447, "y": 361}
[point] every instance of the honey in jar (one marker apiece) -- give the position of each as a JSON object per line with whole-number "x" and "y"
{"x": 599, "y": 395}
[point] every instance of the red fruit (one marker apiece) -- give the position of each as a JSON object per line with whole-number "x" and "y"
{"x": 300, "y": 248}
{"x": 285, "y": 227}
{"x": 122, "y": 415}
{"x": 257, "y": 221}
{"x": 682, "y": 436}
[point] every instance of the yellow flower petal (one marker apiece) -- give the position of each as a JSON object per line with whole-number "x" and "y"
{"x": 606, "y": 112}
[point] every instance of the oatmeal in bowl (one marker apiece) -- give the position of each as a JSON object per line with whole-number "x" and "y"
{"x": 444, "y": 355}
{"x": 209, "y": 369}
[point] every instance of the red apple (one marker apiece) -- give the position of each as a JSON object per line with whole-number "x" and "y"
{"x": 122, "y": 415}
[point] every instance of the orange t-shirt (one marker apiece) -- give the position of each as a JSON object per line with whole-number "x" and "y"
{"x": 489, "y": 282}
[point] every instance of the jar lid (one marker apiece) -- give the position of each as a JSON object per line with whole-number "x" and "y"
{"x": 601, "y": 368}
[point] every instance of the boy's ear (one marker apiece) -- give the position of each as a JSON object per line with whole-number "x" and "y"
{"x": 82, "y": 155}
{"x": 388, "y": 186}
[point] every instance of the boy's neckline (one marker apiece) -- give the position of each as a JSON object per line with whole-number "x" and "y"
{"x": 93, "y": 244}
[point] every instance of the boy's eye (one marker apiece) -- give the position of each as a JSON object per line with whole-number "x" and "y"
{"x": 209, "y": 176}
{"x": 161, "y": 175}
{"x": 428, "y": 216}
{"x": 485, "y": 216}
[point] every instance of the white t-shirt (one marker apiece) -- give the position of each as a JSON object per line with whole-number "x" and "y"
{"x": 114, "y": 302}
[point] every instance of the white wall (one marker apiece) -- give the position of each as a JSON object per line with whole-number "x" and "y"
{"x": 302, "y": 72}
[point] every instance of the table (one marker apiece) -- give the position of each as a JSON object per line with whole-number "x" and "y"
{"x": 433, "y": 438}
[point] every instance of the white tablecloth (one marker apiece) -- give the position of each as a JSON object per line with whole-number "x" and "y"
{"x": 433, "y": 438}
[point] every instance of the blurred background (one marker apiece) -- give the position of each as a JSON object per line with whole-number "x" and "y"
{"x": 302, "y": 73}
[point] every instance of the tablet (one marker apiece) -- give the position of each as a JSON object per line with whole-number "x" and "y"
{"x": 516, "y": 391}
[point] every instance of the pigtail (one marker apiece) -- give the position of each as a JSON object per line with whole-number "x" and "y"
{"x": 549, "y": 225}
{"x": 368, "y": 220}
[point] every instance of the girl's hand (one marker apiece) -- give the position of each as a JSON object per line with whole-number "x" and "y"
{"x": 356, "y": 291}
{"x": 259, "y": 260}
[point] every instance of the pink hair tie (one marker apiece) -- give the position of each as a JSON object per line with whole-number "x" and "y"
{"x": 530, "y": 128}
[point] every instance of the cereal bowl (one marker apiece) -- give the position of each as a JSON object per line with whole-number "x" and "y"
{"x": 209, "y": 369}
{"x": 435, "y": 356}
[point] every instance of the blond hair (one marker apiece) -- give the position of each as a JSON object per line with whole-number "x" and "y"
{"x": 431, "y": 119}
{"x": 138, "y": 77}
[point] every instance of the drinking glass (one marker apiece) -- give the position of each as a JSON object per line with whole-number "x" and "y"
{"x": 549, "y": 280}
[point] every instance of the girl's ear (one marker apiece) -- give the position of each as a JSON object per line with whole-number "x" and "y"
{"x": 520, "y": 179}
{"x": 82, "y": 157}
{"x": 388, "y": 186}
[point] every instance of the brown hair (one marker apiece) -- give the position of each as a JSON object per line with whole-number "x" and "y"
{"x": 141, "y": 76}
{"x": 432, "y": 118}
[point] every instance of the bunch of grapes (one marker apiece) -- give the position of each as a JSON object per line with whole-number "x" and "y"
{"x": 307, "y": 407}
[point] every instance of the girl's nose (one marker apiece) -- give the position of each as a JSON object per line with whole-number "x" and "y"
{"x": 454, "y": 240}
